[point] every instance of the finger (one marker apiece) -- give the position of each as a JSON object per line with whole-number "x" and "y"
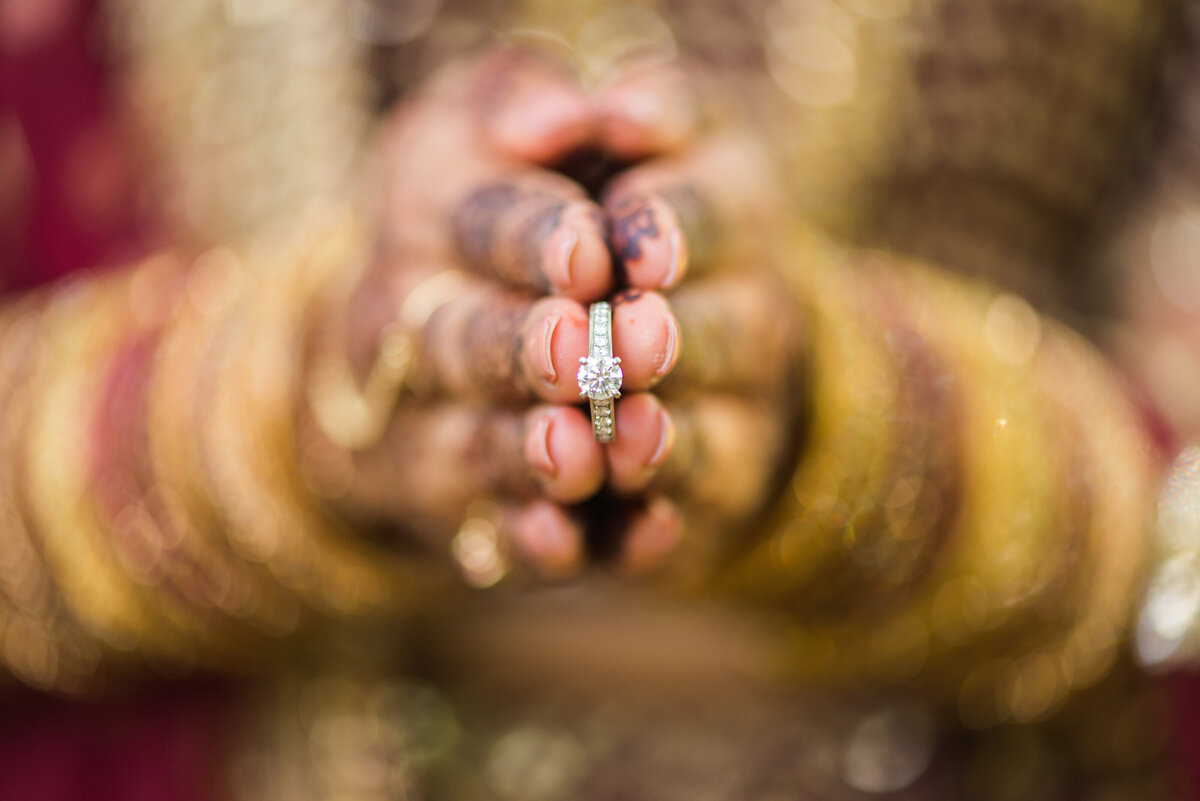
{"x": 447, "y": 194}
{"x": 713, "y": 205}
{"x": 646, "y": 337}
{"x": 562, "y": 451}
{"x": 496, "y": 540}
{"x": 502, "y": 347}
{"x": 534, "y": 231}
{"x": 437, "y": 459}
{"x": 543, "y": 536}
{"x": 653, "y": 535}
{"x": 529, "y": 106}
{"x": 442, "y": 199}
{"x": 718, "y": 456}
{"x": 739, "y": 332}
{"x": 646, "y": 439}
{"x": 481, "y": 343}
{"x": 651, "y": 108}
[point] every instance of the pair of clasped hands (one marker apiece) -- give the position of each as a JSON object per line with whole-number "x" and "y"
{"x": 470, "y": 180}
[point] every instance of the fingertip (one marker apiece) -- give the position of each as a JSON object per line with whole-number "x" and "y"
{"x": 563, "y": 453}
{"x": 539, "y": 115}
{"x": 652, "y": 536}
{"x": 648, "y": 112}
{"x": 548, "y": 540}
{"x": 577, "y": 262}
{"x": 646, "y": 440}
{"x": 554, "y": 338}
{"x": 647, "y": 237}
{"x": 646, "y": 337}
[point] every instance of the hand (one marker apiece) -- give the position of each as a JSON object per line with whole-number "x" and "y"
{"x": 692, "y": 225}
{"x": 464, "y": 186}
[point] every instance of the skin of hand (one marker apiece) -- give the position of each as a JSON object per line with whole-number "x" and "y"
{"x": 466, "y": 181}
{"x": 692, "y": 225}
{"x": 463, "y": 184}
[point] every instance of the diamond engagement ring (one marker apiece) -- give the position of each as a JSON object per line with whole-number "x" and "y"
{"x": 600, "y": 373}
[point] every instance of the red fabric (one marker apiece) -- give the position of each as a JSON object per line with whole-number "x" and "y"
{"x": 1184, "y": 693}
{"x": 154, "y": 748}
{"x": 74, "y": 213}
{"x": 79, "y": 213}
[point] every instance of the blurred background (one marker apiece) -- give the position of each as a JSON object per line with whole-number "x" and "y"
{"x": 1052, "y": 148}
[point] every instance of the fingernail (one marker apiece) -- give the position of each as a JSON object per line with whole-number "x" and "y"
{"x": 670, "y": 355}
{"x": 666, "y": 437}
{"x": 653, "y": 536}
{"x": 672, "y": 275}
{"x": 537, "y": 448}
{"x": 557, "y": 251}
{"x": 541, "y": 351}
{"x": 584, "y": 270}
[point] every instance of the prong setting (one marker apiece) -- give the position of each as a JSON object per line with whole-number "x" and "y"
{"x": 600, "y": 375}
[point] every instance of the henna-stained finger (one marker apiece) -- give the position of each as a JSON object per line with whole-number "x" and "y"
{"x": 714, "y": 455}
{"x": 534, "y": 231}
{"x": 488, "y": 343}
{"x": 530, "y": 106}
{"x": 483, "y": 343}
{"x": 437, "y": 458}
{"x": 646, "y": 337}
{"x": 739, "y": 332}
{"x": 648, "y": 238}
{"x": 650, "y": 108}
{"x": 712, "y": 206}
{"x": 720, "y": 467}
{"x": 445, "y": 200}
{"x": 559, "y": 447}
{"x": 448, "y": 193}
{"x": 502, "y": 347}
{"x": 647, "y": 440}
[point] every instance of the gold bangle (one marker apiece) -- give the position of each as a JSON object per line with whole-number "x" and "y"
{"x": 177, "y": 402}
{"x": 44, "y": 645}
{"x": 175, "y": 561}
{"x": 80, "y": 320}
{"x": 251, "y": 457}
{"x": 1007, "y": 488}
{"x": 849, "y": 451}
{"x": 1027, "y": 598}
{"x": 995, "y": 565}
{"x": 1075, "y": 640}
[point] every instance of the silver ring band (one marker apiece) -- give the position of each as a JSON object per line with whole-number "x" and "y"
{"x": 600, "y": 373}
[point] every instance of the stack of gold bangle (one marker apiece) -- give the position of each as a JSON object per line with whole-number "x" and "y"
{"x": 83, "y": 325}
{"x": 971, "y": 502}
{"x": 183, "y": 376}
{"x": 251, "y": 456}
{"x": 156, "y": 508}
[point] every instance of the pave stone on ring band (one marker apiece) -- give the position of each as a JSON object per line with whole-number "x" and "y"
{"x": 600, "y": 373}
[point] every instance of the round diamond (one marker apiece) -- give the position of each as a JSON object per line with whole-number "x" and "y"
{"x": 600, "y": 377}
